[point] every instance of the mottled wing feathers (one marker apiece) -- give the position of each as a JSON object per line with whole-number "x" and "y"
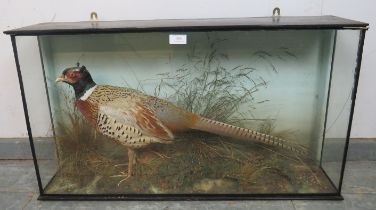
{"x": 148, "y": 122}
{"x": 134, "y": 114}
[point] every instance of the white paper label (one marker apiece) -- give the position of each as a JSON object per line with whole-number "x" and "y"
{"x": 178, "y": 39}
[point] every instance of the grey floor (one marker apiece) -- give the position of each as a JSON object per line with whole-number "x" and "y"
{"x": 18, "y": 190}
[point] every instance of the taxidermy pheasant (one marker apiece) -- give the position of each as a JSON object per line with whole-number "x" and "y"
{"x": 137, "y": 120}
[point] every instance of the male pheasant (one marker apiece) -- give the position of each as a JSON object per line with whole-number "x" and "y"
{"x": 137, "y": 120}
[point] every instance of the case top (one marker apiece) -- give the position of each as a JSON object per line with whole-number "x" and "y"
{"x": 176, "y": 25}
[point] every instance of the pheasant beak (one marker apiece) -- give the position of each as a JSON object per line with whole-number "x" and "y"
{"x": 60, "y": 79}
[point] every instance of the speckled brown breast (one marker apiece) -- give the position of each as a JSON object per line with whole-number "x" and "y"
{"x": 88, "y": 110}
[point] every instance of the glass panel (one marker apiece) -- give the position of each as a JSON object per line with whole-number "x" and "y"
{"x": 340, "y": 102}
{"x": 37, "y": 103}
{"x": 273, "y": 83}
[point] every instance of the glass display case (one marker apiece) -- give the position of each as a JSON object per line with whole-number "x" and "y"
{"x": 242, "y": 108}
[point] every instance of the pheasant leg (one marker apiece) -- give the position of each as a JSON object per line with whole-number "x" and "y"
{"x": 131, "y": 162}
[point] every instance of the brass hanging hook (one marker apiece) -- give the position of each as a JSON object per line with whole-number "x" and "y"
{"x": 276, "y": 14}
{"x": 94, "y": 19}
{"x": 93, "y": 16}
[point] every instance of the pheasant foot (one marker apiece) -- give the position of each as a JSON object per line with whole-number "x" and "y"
{"x": 121, "y": 164}
{"x": 126, "y": 176}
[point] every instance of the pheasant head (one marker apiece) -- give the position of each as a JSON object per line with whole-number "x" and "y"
{"x": 79, "y": 78}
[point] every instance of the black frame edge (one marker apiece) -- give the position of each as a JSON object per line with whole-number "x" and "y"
{"x": 15, "y": 52}
{"x": 353, "y": 98}
{"x": 184, "y": 197}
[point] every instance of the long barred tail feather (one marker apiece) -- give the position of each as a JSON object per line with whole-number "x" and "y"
{"x": 224, "y": 129}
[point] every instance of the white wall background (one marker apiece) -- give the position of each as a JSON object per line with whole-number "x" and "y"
{"x": 18, "y": 13}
